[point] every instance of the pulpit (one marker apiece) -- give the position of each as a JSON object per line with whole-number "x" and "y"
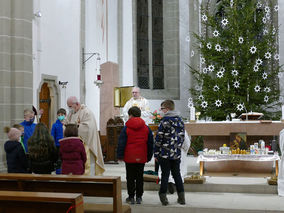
{"x": 114, "y": 127}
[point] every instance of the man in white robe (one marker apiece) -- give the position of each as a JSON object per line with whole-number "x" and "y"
{"x": 139, "y": 101}
{"x": 87, "y": 130}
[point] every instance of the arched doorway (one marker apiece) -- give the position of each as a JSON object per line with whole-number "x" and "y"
{"x": 44, "y": 103}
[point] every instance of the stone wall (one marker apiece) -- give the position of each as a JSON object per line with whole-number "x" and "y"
{"x": 16, "y": 71}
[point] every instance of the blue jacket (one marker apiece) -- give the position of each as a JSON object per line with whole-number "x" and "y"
{"x": 29, "y": 130}
{"x": 57, "y": 132}
{"x": 170, "y": 137}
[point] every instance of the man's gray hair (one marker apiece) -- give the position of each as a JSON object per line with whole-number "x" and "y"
{"x": 136, "y": 88}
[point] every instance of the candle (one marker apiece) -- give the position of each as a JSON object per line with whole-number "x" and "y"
{"x": 117, "y": 97}
{"x": 98, "y": 77}
{"x": 192, "y": 113}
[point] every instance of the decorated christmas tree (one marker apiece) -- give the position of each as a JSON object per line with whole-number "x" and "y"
{"x": 239, "y": 62}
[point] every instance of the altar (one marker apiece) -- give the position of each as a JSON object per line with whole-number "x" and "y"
{"x": 215, "y": 134}
{"x": 239, "y": 163}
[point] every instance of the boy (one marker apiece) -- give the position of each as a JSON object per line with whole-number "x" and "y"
{"x": 57, "y": 133}
{"x": 29, "y": 126}
{"x": 167, "y": 150}
{"x": 135, "y": 147}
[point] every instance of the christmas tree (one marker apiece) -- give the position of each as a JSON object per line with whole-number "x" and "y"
{"x": 239, "y": 61}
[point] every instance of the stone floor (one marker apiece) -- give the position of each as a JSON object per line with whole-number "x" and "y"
{"x": 218, "y": 194}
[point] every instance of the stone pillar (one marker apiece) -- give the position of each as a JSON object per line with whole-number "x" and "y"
{"x": 16, "y": 70}
{"x": 110, "y": 78}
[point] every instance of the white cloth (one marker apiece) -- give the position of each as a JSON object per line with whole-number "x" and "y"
{"x": 142, "y": 103}
{"x": 281, "y": 165}
{"x": 89, "y": 133}
{"x": 223, "y": 157}
{"x": 183, "y": 161}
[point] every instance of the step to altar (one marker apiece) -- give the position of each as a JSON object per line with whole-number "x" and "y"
{"x": 205, "y": 202}
{"x": 224, "y": 185}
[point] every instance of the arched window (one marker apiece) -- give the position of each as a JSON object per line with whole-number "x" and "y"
{"x": 157, "y": 48}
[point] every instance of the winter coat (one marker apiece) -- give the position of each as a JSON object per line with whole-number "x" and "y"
{"x": 73, "y": 155}
{"x": 44, "y": 163}
{"x": 135, "y": 144}
{"x": 57, "y": 132}
{"x": 29, "y": 128}
{"x": 16, "y": 158}
{"x": 170, "y": 137}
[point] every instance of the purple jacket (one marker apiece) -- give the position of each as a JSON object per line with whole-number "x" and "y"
{"x": 73, "y": 156}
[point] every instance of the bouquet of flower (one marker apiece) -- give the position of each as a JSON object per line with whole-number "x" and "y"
{"x": 156, "y": 117}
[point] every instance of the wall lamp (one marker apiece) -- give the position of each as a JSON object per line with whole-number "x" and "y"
{"x": 88, "y": 56}
{"x": 63, "y": 83}
{"x": 37, "y": 14}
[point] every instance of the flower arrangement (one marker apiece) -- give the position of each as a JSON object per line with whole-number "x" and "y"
{"x": 156, "y": 117}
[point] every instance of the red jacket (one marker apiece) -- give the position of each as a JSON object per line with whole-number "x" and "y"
{"x": 137, "y": 135}
{"x": 73, "y": 156}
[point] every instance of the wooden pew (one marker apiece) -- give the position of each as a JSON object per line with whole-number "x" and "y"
{"x": 43, "y": 202}
{"x": 97, "y": 186}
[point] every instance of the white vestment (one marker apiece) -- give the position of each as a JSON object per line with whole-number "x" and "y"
{"x": 89, "y": 133}
{"x": 142, "y": 103}
{"x": 281, "y": 165}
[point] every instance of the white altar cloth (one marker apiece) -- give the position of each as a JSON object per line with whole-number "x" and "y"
{"x": 223, "y": 157}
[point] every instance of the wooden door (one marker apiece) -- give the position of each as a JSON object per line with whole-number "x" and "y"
{"x": 44, "y": 103}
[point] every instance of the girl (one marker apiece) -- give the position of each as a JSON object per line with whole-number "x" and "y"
{"x": 15, "y": 154}
{"x": 42, "y": 151}
{"x": 72, "y": 151}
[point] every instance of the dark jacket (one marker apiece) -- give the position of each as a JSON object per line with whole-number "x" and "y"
{"x": 73, "y": 156}
{"x": 57, "y": 132}
{"x": 44, "y": 163}
{"x": 16, "y": 158}
{"x": 170, "y": 137}
{"x": 135, "y": 144}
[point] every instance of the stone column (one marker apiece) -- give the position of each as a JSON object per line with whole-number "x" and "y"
{"x": 110, "y": 78}
{"x": 16, "y": 71}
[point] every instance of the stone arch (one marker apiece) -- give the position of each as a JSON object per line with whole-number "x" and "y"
{"x": 54, "y": 96}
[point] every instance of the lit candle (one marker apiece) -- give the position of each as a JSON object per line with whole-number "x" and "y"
{"x": 192, "y": 113}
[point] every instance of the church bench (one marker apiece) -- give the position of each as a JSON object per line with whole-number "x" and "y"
{"x": 44, "y": 202}
{"x": 95, "y": 186}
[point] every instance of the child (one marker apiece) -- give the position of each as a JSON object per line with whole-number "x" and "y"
{"x": 72, "y": 151}
{"x": 28, "y": 125}
{"x": 21, "y": 128}
{"x": 135, "y": 147}
{"x": 42, "y": 151}
{"x": 167, "y": 150}
{"x": 57, "y": 134}
{"x": 15, "y": 154}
